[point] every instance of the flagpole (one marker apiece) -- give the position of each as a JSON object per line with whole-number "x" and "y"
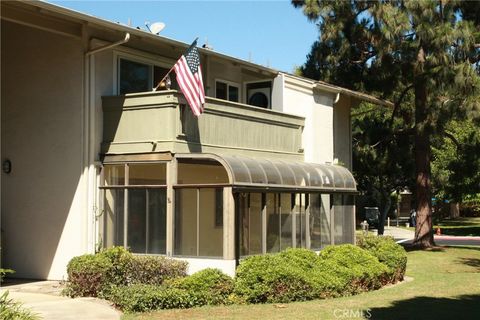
{"x": 158, "y": 85}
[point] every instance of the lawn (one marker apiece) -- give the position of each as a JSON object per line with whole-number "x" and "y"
{"x": 445, "y": 285}
{"x": 456, "y": 227}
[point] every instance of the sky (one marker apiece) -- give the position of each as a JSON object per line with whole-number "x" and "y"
{"x": 270, "y": 33}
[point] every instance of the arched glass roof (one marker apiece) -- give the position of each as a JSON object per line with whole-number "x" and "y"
{"x": 263, "y": 173}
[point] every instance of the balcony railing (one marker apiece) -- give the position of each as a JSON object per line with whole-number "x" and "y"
{"x": 162, "y": 122}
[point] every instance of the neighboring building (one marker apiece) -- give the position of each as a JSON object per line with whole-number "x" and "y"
{"x": 97, "y": 159}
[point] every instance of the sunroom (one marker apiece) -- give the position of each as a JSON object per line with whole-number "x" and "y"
{"x": 213, "y": 210}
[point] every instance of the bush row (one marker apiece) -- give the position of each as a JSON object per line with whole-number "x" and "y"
{"x": 95, "y": 275}
{"x": 141, "y": 283}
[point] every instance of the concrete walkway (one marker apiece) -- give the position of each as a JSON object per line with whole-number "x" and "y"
{"x": 399, "y": 234}
{"x": 42, "y": 297}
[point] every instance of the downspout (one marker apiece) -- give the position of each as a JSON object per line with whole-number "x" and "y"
{"x": 90, "y": 131}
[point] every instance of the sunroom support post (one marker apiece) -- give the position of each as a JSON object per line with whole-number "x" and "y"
{"x": 171, "y": 180}
{"x": 228, "y": 224}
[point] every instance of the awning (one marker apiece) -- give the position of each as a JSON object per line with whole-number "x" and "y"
{"x": 259, "y": 173}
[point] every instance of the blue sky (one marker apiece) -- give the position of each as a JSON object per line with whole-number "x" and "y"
{"x": 271, "y": 33}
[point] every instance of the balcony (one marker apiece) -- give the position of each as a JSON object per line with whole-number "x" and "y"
{"x": 162, "y": 122}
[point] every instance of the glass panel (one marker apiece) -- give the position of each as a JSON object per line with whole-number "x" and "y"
{"x": 299, "y": 213}
{"x": 300, "y": 175}
{"x": 221, "y": 90}
{"x": 250, "y": 210}
{"x": 338, "y": 218}
{"x": 157, "y": 221}
{"x": 286, "y": 221}
{"x": 314, "y": 177}
{"x": 325, "y": 220}
{"x": 348, "y": 219}
{"x": 114, "y": 212}
{"x": 147, "y": 174}
{"x": 186, "y": 222}
{"x": 137, "y": 223}
{"x": 256, "y": 172}
{"x": 239, "y": 170}
{"x": 337, "y": 178}
{"x": 273, "y": 222}
{"x": 159, "y": 73}
{"x": 327, "y": 177}
{"x": 114, "y": 175}
{"x": 134, "y": 77}
{"x": 273, "y": 176}
{"x": 315, "y": 224}
{"x": 210, "y": 236}
{"x": 201, "y": 172}
{"x": 233, "y": 93}
{"x": 288, "y": 177}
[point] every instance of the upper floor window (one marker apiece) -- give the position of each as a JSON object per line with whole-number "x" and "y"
{"x": 137, "y": 76}
{"x": 227, "y": 90}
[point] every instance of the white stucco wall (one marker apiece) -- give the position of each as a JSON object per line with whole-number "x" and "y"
{"x": 43, "y": 198}
{"x": 299, "y": 98}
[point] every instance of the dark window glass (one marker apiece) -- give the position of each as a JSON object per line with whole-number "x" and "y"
{"x": 157, "y": 221}
{"x": 233, "y": 93}
{"x": 221, "y": 90}
{"x": 134, "y": 77}
{"x": 136, "y": 236}
{"x": 273, "y": 222}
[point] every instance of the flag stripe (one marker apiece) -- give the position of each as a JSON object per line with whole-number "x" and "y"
{"x": 189, "y": 78}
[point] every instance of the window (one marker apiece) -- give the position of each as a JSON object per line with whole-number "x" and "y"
{"x": 227, "y": 91}
{"x": 196, "y": 232}
{"x": 135, "y": 208}
{"x": 135, "y": 76}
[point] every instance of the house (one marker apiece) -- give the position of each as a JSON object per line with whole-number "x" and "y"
{"x": 91, "y": 157}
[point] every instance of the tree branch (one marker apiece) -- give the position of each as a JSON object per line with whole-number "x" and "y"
{"x": 452, "y": 138}
{"x": 398, "y": 102}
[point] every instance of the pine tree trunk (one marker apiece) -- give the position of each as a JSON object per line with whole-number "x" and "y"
{"x": 423, "y": 229}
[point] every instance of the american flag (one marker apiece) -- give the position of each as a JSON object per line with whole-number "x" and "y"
{"x": 189, "y": 78}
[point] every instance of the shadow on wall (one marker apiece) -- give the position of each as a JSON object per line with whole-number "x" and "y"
{"x": 462, "y": 307}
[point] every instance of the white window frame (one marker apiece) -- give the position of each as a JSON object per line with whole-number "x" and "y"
{"x": 139, "y": 57}
{"x": 230, "y": 84}
{"x": 245, "y": 83}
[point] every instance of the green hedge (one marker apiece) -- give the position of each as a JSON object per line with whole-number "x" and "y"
{"x": 299, "y": 274}
{"x": 94, "y": 275}
{"x": 206, "y": 287}
{"x": 387, "y": 252}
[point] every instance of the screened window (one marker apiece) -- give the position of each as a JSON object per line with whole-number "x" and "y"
{"x": 135, "y": 207}
{"x": 197, "y": 232}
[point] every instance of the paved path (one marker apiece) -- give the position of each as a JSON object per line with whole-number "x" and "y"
{"x": 406, "y": 236}
{"x": 38, "y": 297}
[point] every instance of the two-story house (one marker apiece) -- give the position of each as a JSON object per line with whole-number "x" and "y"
{"x": 92, "y": 157}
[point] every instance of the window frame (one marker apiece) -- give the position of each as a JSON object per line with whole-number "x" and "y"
{"x": 229, "y": 84}
{"x": 139, "y": 57}
{"x": 126, "y": 187}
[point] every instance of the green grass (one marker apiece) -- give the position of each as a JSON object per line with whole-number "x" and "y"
{"x": 445, "y": 285}
{"x": 460, "y": 226}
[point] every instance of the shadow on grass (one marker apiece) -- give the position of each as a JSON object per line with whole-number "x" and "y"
{"x": 463, "y": 307}
{"x": 461, "y": 231}
{"x": 472, "y": 262}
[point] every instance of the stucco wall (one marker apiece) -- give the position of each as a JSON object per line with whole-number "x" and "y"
{"x": 316, "y": 107}
{"x": 342, "y": 147}
{"x": 43, "y": 205}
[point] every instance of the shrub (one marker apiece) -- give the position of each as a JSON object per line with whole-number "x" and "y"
{"x": 87, "y": 275}
{"x": 354, "y": 267}
{"x": 143, "y": 298}
{"x": 95, "y": 275}
{"x": 270, "y": 278}
{"x": 387, "y": 252}
{"x": 11, "y": 310}
{"x": 155, "y": 270}
{"x": 4, "y": 272}
{"x": 214, "y": 286}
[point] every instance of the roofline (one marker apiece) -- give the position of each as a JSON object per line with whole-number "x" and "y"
{"x": 340, "y": 90}
{"x": 138, "y": 32}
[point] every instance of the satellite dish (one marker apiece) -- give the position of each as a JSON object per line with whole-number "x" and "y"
{"x": 156, "y": 27}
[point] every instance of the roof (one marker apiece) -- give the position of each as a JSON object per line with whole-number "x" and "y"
{"x": 248, "y": 173}
{"x": 89, "y": 19}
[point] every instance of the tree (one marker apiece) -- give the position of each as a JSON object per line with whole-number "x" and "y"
{"x": 428, "y": 50}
